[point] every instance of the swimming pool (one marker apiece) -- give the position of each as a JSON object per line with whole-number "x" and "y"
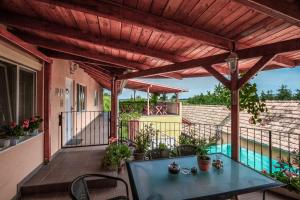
{"x": 253, "y": 159}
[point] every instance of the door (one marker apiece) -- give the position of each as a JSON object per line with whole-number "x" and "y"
{"x": 69, "y": 110}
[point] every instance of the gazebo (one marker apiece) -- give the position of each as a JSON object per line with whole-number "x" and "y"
{"x": 158, "y": 39}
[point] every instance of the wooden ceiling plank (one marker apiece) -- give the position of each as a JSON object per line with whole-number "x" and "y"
{"x": 264, "y": 50}
{"x": 23, "y": 45}
{"x": 56, "y": 46}
{"x": 255, "y": 69}
{"x": 145, "y": 20}
{"x": 286, "y": 10}
{"x": 20, "y": 21}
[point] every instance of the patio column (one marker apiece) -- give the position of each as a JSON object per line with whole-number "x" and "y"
{"x": 114, "y": 108}
{"x": 47, "y": 111}
{"x": 235, "y": 111}
{"x": 148, "y": 101}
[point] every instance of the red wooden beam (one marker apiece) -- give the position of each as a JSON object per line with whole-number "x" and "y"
{"x": 145, "y": 20}
{"x": 23, "y": 45}
{"x": 21, "y": 21}
{"x": 217, "y": 75}
{"x": 264, "y": 50}
{"x": 235, "y": 112}
{"x": 114, "y": 108}
{"x": 65, "y": 56}
{"x": 255, "y": 69}
{"x": 47, "y": 111}
{"x": 86, "y": 53}
{"x": 279, "y": 9}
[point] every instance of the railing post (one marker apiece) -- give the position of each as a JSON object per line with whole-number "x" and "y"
{"x": 61, "y": 128}
{"x": 270, "y": 152}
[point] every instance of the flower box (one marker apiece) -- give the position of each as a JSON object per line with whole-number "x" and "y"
{"x": 285, "y": 192}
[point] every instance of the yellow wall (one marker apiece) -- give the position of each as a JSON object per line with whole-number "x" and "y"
{"x": 169, "y": 125}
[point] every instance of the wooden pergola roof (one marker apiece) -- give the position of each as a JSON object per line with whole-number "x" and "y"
{"x": 165, "y": 39}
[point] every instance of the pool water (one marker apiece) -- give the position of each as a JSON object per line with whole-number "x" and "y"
{"x": 253, "y": 159}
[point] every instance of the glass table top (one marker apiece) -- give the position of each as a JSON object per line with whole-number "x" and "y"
{"x": 150, "y": 180}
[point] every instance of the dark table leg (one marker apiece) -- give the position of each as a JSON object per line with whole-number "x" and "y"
{"x": 264, "y": 195}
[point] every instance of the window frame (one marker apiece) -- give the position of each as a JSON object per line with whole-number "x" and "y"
{"x": 96, "y": 98}
{"x": 79, "y": 106}
{"x": 20, "y": 67}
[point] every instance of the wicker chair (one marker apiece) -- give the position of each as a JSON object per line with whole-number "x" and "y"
{"x": 79, "y": 187}
{"x": 186, "y": 150}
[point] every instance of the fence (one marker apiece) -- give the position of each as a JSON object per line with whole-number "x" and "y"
{"x": 161, "y": 108}
{"x": 85, "y": 128}
{"x": 260, "y": 149}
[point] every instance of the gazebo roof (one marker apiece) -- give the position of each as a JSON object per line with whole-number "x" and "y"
{"x": 153, "y": 87}
{"x": 137, "y": 36}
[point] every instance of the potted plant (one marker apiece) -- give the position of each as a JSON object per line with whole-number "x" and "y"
{"x": 34, "y": 124}
{"x": 287, "y": 173}
{"x": 25, "y": 126}
{"x": 115, "y": 156}
{"x": 143, "y": 141}
{"x": 4, "y": 139}
{"x": 164, "y": 150}
{"x": 202, "y": 149}
{"x": 15, "y": 132}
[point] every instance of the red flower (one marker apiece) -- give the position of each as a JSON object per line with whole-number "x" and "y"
{"x": 264, "y": 171}
{"x": 25, "y": 124}
{"x": 12, "y": 124}
{"x": 112, "y": 140}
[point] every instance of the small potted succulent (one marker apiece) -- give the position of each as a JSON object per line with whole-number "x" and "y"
{"x": 202, "y": 149}
{"x": 143, "y": 141}
{"x": 164, "y": 150}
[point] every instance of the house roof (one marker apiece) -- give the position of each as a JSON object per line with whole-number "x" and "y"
{"x": 282, "y": 119}
{"x": 119, "y": 36}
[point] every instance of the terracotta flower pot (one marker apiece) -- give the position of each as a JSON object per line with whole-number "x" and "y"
{"x": 204, "y": 164}
{"x": 138, "y": 156}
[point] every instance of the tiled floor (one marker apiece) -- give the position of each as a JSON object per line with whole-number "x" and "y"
{"x": 71, "y": 163}
{"x": 68, "y": 164}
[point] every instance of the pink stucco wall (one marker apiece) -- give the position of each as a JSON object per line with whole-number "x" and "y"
{"x": 17, "y": 162}
{"x": 61, "y": 70}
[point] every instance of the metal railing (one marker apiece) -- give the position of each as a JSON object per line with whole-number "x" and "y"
{"x": 259, "y": 149}
{"x": 161, "y": 108}
{"x": 84, "y": 128}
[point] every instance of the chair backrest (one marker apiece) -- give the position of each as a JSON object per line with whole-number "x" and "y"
{"x": 79, "y": 187}
{"x": 186, "y": 150}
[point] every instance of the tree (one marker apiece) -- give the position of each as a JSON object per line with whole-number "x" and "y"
{"x": 249, "y": 99}
{"x": 163, "y": 97}
{"x": 173, "y": 97}
{"x": 284, "y": 93}
{"x": 297, "y": 95}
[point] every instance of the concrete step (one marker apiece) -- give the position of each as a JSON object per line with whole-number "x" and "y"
{"x": 64, "y": 187}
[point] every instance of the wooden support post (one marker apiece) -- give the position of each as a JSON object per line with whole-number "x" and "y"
{"x": 177, "y": 97}
{"x": 47, "y": 111}
{"x": 134, "y": 93}
{"x": 235, "y": 111}
{"x": 148, "y": 101}
{"x": 114, "y": 108}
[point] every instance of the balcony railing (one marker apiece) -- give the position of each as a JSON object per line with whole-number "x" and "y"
{"x": 160, "y": 108}
{"x": 259, "y": 149}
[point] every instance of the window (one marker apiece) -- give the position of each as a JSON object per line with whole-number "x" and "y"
{"x": 96, "y": 98}
{"x": 81, "y": 97}
{"x": 18, "y": 88}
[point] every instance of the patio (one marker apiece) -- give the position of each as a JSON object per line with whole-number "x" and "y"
{"x": 51, "y": 181}
{"x": 68, "y": 51}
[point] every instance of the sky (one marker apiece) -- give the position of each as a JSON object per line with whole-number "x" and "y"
{"x": 265, "y": 80}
